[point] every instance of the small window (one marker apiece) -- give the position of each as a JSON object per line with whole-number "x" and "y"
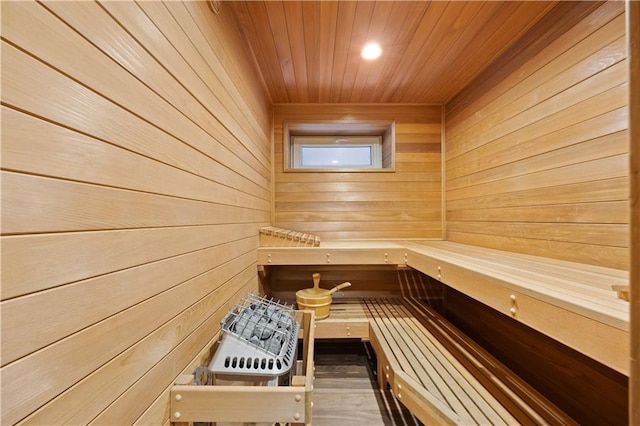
{"x": 338, "y": 146}
{"x": 337, "y": 152}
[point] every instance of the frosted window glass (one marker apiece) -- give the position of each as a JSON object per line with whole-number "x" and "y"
{"x": 336, "y": 156}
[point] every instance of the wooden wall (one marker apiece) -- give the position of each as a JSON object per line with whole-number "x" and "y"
{"x": 537, "y": 157}
{"x": 633, "y": 40}
{"x": 135, "y": 176}
{"x": 401, "y": 204}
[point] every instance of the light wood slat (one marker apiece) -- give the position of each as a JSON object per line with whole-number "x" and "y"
{"x": 157, "y": 124}
{"x": 195, "y": 73}
{"x": 408, "y": 362}
{"x": 633, "y": 37}
{"x": 594, "y": 149}
{"x": 86, "y": 351}
{"x": 607, "y": 256}
{"x": 382, "y": 235}
{"x": 116, "y": 291}
{"x": 358, "y": 186}
{"x": 548, "y": 42}
{"x": 401, "y": 158}
{"x": 520, "y": 399}
{"x": 586, "y": 272}
{"x": 29, "y": 85}
{"x": 600, "y": 169}
{"x": 570, "y": 287}
{"x": 225, "y": 40}
{"x": 361, "y": 216}
{"x": 81, "y": 207}
{"x": 337, "y": 177}
{"x": 233, "y": 111}
{"x": 408, "y": 206}
{"x": 598, "y": 104}
{"x": 566, "y": 113}
{"x": 428, "y": 167}
{"x": 138, "y": 365}
{"x": 483, "y": 406}
{"x": 432, "y": 361}
{"x": 501, "y": 153}
{"x": 40, "y": 147}
{"x": 602, "y": 50}
{"x": 615, "y": 235}
{"x": 36, "y": 262}
{"x": 348, "y": 197}
{"x": 230, "y": 68}
{"x": 546, "y": 122}
{"x": 605, "y": 212}
{"x": 429, "y": 405}
{"x": 119, "y": 85}
{"x": 583, "y": 192}
{"x": 316, "y": 227}
{"x": 398, "y": 327}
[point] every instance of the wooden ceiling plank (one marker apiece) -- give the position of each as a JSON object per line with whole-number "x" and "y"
{"x": 299, "y": 54}
{"x": 447, "y": 49}
{"x": 308, "y": 51}
{"x": 363, "y": 18}
{"x": 313, "y": 35}
{"x": 280, "y": 34}
{"x": 472, "y": 57}
{"x": 251, "y": 17}
{"x": 406, "y": 19}
{"x": 328, "y": 28}
{"x": 375, "y": 33}
{"x": 344, "y": 27}
{"x": 419, "y": 43}
{"x": 562, "y": 17}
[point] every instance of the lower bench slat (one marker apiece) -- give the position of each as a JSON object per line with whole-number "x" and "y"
{"x": 426, "y": 358}
{"x": 475, "y": 398}
{"x": 442, "y": 371}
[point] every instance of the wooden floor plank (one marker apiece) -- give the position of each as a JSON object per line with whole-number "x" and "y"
{"x": 345, "y": 392}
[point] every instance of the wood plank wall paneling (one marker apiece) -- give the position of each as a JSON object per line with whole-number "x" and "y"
{"x": 401, "y": 204}
{"x": 136, "y": 173}
{"x": 633, "y": 28}
{"x": 537, "y": 161}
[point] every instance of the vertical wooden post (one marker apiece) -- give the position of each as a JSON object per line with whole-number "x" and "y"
{"x": 633, "y": 51}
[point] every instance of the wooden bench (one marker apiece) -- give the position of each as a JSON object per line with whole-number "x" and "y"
{"x": 573, "y": 303}
{"x": 443, "y": 377}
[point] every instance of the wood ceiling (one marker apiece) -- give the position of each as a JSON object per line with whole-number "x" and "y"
{"x": 309, "y": 51}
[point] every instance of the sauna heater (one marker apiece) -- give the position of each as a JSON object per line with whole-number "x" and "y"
{"x": 259, "y": 344}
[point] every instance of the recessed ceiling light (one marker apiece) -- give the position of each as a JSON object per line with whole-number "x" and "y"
{"x": 371, "y": 51}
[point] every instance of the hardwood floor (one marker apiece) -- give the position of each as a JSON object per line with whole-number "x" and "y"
{"x": 345, "y": 390}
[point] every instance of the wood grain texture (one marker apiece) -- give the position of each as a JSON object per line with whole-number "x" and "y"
{"x": 585, "y": 390}
{"x": 633, "y": 27}
{"x": 381, "y": 205}
{"x": 134, "y": 183}
{"x": 309, "y": 52}
{"x": 537, "y": 160}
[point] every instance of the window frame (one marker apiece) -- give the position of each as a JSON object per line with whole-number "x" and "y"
{"x": 337, "y": 141}
{"x": 384, "y": 131}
